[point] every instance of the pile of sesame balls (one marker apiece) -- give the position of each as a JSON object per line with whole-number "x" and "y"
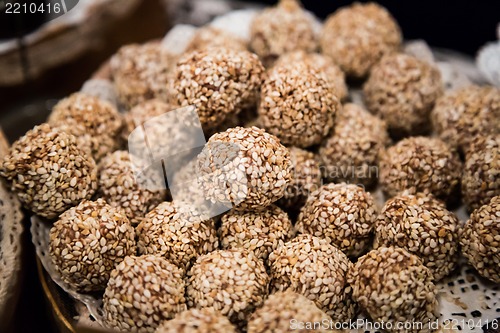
{"x": 295, "y": 162}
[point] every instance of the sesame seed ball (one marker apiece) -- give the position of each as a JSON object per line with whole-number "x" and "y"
{"x": 176, "y": 233}
{"x": 245, "y": 166}
{"x": 392, "y": 285}
{"x": 357, "y": 36}
{"x": 481, "y": 174}
{"x": 119, "y": 187}
{"x": 206, "y": 320}
{"x": 324, "y": 64}
{"x": 88, "y": 241}
{"x": 208, "y": 36}
{"x": 297, "y": 104}
{"x": 480, "y": 240}
{"x": 140, "y": 72}
{"x": 95, "y": 123}
{"x": 142, "y": 292}
{"x": 423, "y": 226}
{"x": 402, "y": 90}
{"x": 48, "y": 171}
{"x": 143, "y": 112}
{"x": 233, "y": 282}
{"x": 217, "y": 81}
{"x": 316, "y": 269}
{"x": 343, "y": 214}
{"x": 420, "y": 164}
{"x": 351, "y": 152}
{"x": 258, "y": 231}
{"x": 465, "y": 113}
{"x": 306, "y": 178}
{"x": 280, "y": 309}
{"x": 281, "y": 29}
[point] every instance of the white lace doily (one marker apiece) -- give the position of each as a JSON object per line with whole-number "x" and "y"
{"x": 40, "y": 236}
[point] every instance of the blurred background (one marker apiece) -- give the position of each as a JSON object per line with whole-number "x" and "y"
{"x": 43, "y": 59}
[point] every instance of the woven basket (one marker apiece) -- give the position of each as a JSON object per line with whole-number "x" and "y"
{"x": 10, "y": 248}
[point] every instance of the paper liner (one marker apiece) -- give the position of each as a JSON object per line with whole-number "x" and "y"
{"x": 40, "y": 236}
{"x": 488, "y": 62}
{"x": 103, "y": 89}
{"x": 419, "y": 49}
{"x": 465, "y": 299}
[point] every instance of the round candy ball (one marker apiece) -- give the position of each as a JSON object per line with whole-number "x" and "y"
{"x": 246, "y": 167}
{"x": 281, "y": 29}
{"x": 351, "y": 152}
{"x": 140, "y": 72}
{"x": 119, "y": 186}
{"x": 324, "y": 64}
{"x": 423, "y": 226}
{"x": 306, "y": 178}
{"x": 343, "y": 214}
{"x": 282, "y": 309}
{"x": 208, "y": 36}
{"x": 95, "y": 123}
{"x": 259, "y": 231}
{"x": 392, "y": 286}
{"x": 176, "y": 233}
{"x": 218, "y": 81}
{"x": 480, "y": 240}
{"x": 297, "y": 104}
{"x": 481, "y": 174}
{"x": 357, "y": 36}
{"x": 142, "y": 292}
{"x": 402, "y": 90}
{"x": 88, "y": 241}
{"x": 316, "y": 269}
{"x": 206, "y": 320}
{"x": 48, "y": 171}
{"x": 420, "y": 164}
{"x": 233, "y": 282}
{"x": 461, "y": 115}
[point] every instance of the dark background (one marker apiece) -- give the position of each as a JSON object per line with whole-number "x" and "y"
{"x": 462, "y": 25}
